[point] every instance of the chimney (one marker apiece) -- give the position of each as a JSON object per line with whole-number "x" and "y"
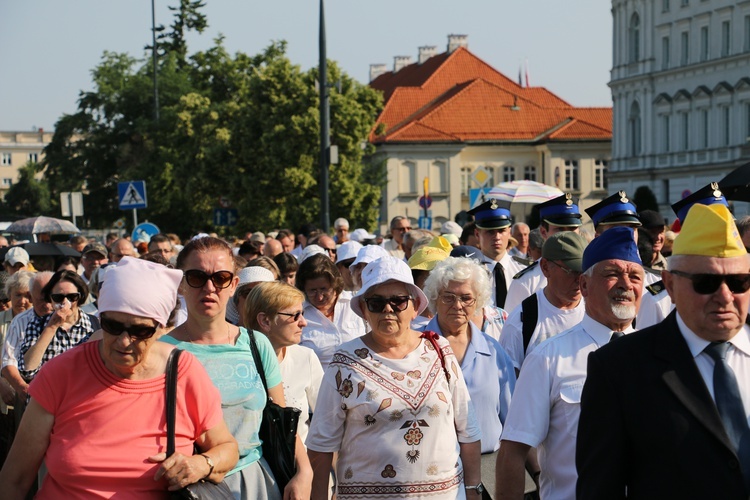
{"x": 426, "y": 52}
{"x": 456, "y": 41}
{"x": 376, "y": 70}
{"x": 400, "y": 62}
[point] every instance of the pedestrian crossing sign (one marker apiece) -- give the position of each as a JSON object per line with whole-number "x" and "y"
{"x": 132, "y": 194}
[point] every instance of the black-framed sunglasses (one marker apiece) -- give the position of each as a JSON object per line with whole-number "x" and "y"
{"x": 295, "y": 316}
{"x": 197, "y": 279}
{"x": 397, "y": 303}
{"x": 346, "y": 263}
{"x": 138, "y": 332}
{"x": 706, "y": 284}
{"x": 58, "y": 298}
{"x": 331, "y": 251}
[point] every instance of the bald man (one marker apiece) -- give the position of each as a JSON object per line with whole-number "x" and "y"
{"x": 272, "y": 248}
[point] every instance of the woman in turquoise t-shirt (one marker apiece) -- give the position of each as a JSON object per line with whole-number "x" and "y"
{"x": 208, "y": 283}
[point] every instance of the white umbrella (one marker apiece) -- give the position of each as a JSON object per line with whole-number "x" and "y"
{"x": 42, "y": 224}
{"x": 523, "y": 192}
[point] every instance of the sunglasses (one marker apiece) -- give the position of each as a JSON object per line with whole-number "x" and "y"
{"x": 706, "y": 284}
{"x": 295, "y": 316}
{"x": 58, "y": 298}
{"x": 197, "y": 278}
{"x": 377, "y": 304}
{"x": 138, "y": 332}
{"x": 331, "y": 251}
{"x": 346, "y": 263}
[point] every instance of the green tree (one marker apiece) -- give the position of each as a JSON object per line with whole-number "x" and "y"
{"x": 29, "y": 196}
{"x": 645, "y": 199}
{"x": 235, "y": 126}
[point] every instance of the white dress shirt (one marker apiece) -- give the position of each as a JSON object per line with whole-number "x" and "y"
{"x": 525, "y": 286}
{"x": 546, "y": 404}
{"x": 510, "y": 269}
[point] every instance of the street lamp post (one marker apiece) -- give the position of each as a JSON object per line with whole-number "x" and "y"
{"x": 153, "y": 57}
{"x": 325, "y": 132}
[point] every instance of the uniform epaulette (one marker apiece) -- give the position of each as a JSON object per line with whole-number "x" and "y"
{"x": 656, "y": 288}
{"x": 521, "y": 260}
{"x": 524, "y": 271}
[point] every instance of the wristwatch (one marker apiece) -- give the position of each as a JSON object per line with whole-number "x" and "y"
{"x": 210, "y": 464}
{"x": 479, "y": 488}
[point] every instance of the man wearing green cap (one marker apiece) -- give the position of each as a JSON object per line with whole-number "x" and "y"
{"x": 553, "y": 309}
{"x": 664, "y": 412}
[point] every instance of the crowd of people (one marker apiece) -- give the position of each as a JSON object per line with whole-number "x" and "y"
{"x": 489, "y": 359}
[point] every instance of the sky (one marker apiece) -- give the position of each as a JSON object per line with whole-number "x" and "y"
{"x": 49, "y": 47}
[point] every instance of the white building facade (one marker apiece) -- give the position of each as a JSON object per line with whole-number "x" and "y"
{"x": 681, "y": 94}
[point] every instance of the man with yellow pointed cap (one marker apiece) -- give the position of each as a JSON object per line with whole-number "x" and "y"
{"x": 664, "y": 411}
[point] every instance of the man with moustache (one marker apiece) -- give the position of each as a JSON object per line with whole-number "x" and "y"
{"x": 545, "y": 406}
{"x": 664, "y": 413}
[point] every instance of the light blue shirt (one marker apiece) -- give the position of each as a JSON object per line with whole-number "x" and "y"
{"x": 484, "y": 362}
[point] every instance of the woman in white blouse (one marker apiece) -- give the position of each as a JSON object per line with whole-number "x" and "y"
{"x": 275, "y": 309}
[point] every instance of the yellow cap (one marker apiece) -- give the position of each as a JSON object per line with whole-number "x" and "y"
{"x": 428, "y": 256}
{"x": 709, "y": 230}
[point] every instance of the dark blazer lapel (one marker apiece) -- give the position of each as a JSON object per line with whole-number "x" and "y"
{"x": 683, "y": 378}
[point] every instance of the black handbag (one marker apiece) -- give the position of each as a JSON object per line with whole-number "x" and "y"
{"x": 202, "y": 489}
{"x": 278, "y": 430}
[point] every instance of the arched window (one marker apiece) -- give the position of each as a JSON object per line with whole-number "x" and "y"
{"x": 634, "y": 38}
{"x": 634, "y": 129}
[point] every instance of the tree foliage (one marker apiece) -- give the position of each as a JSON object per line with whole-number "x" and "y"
{"x": 240, "y": 127}
{"x": 28, "y": 196}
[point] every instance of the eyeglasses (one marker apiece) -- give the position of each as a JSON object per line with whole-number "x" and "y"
{"x": 377, "y": 304}
{"x": 331, "y": 251}
{"x": 407, "y": 228}
{"x": 346, "y": 263}
{"x": 450, "y": 298}
{"x": 138, "y": 332}
{"x": 197, "y": 278}
{"x": 567, "y": 270}
{"x": 58, "y": 298}
{"x": 314, "y": 292}
{"x": 706, "y": 284}
{"x": 295, "y": 316}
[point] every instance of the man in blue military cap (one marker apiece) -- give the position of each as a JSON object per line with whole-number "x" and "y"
{"x": 492, "y": 219}
{"x": 545, "y": 406}
{"x": 557, "y": 215}
{"x": 616, "y": 210}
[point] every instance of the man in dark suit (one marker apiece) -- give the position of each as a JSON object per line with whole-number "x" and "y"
{"x": 664, "y": 411}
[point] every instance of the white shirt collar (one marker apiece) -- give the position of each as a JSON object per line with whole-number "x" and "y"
{"x": 599, "y": 333}
{"x": 697, "y": 344}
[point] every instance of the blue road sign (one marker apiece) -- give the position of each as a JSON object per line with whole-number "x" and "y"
{"x": 425, "y": 202}
{"x": 475, "y": 196}
{"x": 144, "y": 232}
{"x": 225, "y": 216}
{"x": 425, "y": 222}
{"x": 132, "y": 194}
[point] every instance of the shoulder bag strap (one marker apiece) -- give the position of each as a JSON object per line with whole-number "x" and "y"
{"x": 529, "y": 319}
{"x": 432, "y": 338}
{"x": 256, "y": 358}
{"x": 171, "y": 388}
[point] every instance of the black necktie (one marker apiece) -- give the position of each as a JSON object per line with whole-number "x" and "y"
{"x": 729, "y": 403}
{"x": 501, "y": 287}
{"x": 615, "y": 336}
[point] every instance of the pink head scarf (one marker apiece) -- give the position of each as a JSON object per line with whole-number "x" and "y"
{"x": 140, "y": 288}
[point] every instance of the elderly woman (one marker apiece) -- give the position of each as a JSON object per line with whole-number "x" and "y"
{"x": 53, "y": 334}
{"x": 17, "y": 289}
{"x": 116, "y": 387}
{"x": 456, "y": 288}
{"x": 275, "y": 309}
{"x": 208, "y": 283}
{"x": 330, "y": 320}
{"x": 395, "y": 409}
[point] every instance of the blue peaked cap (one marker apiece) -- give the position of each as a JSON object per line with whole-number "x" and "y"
{"x": 614, "y": 243}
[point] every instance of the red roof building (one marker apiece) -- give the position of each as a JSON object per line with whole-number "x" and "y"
{"x": 454, "y": 119}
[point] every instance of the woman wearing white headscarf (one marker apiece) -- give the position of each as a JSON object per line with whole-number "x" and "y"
{"x": 116, "y": 386}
